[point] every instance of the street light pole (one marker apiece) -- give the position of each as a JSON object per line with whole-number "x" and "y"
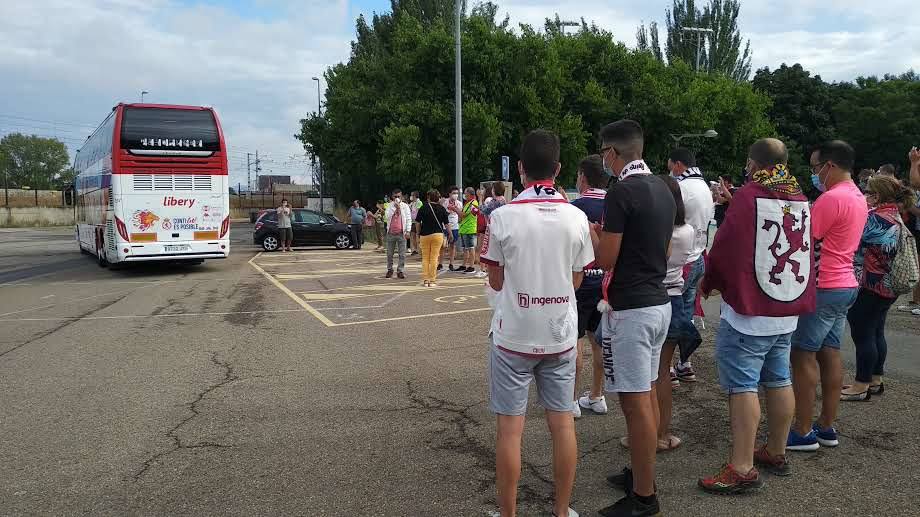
{"x": 711, "y": 133}
{"x": 699, "y": 40}
{"x": 458, "y": 144}
{"x": 319, "y": 167}
{"x": 143, "y": 92}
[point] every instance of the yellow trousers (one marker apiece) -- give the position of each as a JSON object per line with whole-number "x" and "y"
{"x": 431, "y": 250}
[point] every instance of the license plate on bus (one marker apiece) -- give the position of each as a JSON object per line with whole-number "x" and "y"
{"x": 176, "y": 247}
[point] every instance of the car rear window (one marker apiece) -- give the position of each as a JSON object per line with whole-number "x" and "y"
{"x": 269, "y": 217}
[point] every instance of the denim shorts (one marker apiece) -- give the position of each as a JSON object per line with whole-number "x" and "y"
{"x": 467, "y": 241}
{"x": 746, "y": 362}
{"x": 825, "y": 326}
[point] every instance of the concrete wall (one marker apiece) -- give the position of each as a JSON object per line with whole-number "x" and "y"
{"x": 27, "y": 198}
{"x": 36, "y": 216}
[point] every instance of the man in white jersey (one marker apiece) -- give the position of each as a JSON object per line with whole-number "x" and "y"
{"x": 700, "y": 210}
{"x": 536, "y": 248}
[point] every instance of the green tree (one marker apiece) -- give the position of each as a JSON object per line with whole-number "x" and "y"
{"x": 719, "y": 52}
{"x": 389, "y": 114}
{"x": 34, "y": 162}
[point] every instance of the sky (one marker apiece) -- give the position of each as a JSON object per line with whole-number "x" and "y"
{"x": 65, "y": 63}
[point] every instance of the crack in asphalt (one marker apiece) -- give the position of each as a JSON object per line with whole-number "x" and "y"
{"x": 464, "y": 442}
{"x": 64, "y": 324}
{"x": 178, "y": 444}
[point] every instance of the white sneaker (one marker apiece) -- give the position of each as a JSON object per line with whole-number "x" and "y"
{"x": 572, "y": 513}
{"x": 599, "y": 406}
{"x": 576, "y": 411}
{"x": 481, "y": 274}
{"x": 908, "y": 308}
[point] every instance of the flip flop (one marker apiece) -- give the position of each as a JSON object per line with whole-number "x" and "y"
{"x": 856, "y": 397}
{"x": 669, "y": 444}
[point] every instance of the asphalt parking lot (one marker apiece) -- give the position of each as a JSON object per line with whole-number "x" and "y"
{"x": 308, "y": 384}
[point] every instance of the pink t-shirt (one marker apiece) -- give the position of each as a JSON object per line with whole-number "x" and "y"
{"x": 838, "y": 218}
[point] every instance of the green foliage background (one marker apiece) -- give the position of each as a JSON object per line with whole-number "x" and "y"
{"x": 389, "y": 113}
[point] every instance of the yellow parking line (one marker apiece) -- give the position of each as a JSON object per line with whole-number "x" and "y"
{"x": 415, "y": 316}
{"x": 458, "y": 282}
{"x": 328, "y": 297}
{"x": 300, "y": 301}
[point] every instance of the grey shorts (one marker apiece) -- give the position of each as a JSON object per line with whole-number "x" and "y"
{"x": 285, "y": 234}
{"x": 467, "y": 241}
{"x": 631, "y": 345}
{"x": 510, "y": 376}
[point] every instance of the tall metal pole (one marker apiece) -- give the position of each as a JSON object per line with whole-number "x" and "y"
{"x": 248, "y": 172}
{"x": 699, "y": 36}
{"x": 319, "y": 167}
{"x": 458, "y": 145}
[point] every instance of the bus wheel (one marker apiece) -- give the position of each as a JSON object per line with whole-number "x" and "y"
{"x": 100, "y": 257}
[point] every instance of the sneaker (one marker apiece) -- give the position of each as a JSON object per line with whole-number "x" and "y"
{"x": 451, "y": 268}
{"x": 826, "y": 437}
{"x": 599, "y": 406}
{"x": 685, "y": 372}
{"x": 729, "y": 482}
{"x": 622, "y": 480}
{"x": 440, "y": 267}
{"x": 915, "y": 312}
{"x": 630, "y": 506}
{"x": 675, "y": 381}
{"x": 389, "y": 273}
{"x": 776, "y": 465}
{"x": 571, "y": 513}
{"x": 909, "y": 307}
{"x": 481, "y": 274}
{"x": 797, "y": 442}
{"x": 400, "y": 275}
{"x": 468, "y": 270}
{"x": 576, "y": 409}
{"x": 432, "y": 284}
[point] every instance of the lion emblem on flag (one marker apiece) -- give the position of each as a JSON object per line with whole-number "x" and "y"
{"x": 782, "y": 256}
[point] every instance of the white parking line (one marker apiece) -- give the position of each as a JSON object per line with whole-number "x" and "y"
{"x": 145, "y": 316}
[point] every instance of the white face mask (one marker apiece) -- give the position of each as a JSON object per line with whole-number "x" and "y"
{"x": 455, "y": 196}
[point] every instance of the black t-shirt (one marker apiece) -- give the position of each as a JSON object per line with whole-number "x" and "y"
{"x": 431, "y": 223}
{"x": 642, "y": 208}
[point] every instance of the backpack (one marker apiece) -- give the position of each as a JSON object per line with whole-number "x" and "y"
{"x": 905, "y": 270}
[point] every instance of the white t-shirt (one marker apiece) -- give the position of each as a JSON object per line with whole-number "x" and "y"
{"x": 540, "y": 240}
{"x": 700, "y": 210}
{"x": 453, "y": 220}
{"x": 681, "y": 246}
{"x": 759, "y": 325}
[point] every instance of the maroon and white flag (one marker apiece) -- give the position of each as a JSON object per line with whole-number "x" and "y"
{"x": 762, "y": 260}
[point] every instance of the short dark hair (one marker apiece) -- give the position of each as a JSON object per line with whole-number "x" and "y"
{"x": 498, "y": 188}
{"x": 684, "y": 156}
{"x": 284, "y": 199}
{"x": 837, "y": 151}
{"x": 769, "y": 152}
{"x": 680, "y": 215}
{"x": 453, "y": 188}
{"x": 540, "y": 154}
{"x": 888, "y": 169}
{"x": 434, "y": 196}
{"x": 395, "y": 191}
{"x": 626, "y": 136}
{"x": 414, "y": 193}
{"x": 592, "y": 168}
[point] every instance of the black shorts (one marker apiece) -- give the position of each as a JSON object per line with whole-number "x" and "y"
{"x": 589, "y": 318}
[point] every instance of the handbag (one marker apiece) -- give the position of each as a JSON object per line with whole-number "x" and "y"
{"x": 905, "y": 271}
{"x": 369, "y": 219}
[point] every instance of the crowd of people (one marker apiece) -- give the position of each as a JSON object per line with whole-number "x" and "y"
{"x": 621, "y": 270}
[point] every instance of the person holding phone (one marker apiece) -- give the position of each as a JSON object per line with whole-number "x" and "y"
{"x": 285, "y": 231}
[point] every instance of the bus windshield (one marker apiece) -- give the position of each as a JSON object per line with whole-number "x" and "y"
{"x": 161, "y": 131}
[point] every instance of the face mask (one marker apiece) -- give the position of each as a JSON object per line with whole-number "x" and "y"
{"x": 816, "y": 181}
{"x": 455, "y": 196}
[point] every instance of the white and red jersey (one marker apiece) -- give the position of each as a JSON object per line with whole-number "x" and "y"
{"x": 540, "y": 240}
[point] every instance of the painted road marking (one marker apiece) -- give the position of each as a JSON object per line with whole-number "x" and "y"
{"x": 145, "y": 316}
{"x": 414, "y": 316}
{"x": 458, "y": 298}
{"x": 300, "y": 301}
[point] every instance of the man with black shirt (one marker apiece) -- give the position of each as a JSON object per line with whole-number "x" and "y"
{"x": 634, "y": 244}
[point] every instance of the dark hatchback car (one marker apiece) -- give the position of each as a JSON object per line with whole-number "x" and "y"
{"x": 310, "y": 229}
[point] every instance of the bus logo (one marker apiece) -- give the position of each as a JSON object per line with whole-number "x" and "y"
{"x": 144, "y": 219}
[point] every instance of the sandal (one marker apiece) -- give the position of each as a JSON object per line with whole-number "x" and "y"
{"x": 856, "y": 397}
{"x": 668, "y": 444}
{"x": 877, "y": 389}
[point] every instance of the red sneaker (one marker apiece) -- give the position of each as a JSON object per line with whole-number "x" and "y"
{"x": 729, "y": 482}
{"x": 776, "y": 465}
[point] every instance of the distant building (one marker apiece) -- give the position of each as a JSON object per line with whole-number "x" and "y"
{"x": 266, "y": 181}
{"x": 281, "y": 187}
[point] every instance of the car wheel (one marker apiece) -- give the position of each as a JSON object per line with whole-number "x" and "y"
{"x": 342, "y": 241}
{"x": 270, "y": 243}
